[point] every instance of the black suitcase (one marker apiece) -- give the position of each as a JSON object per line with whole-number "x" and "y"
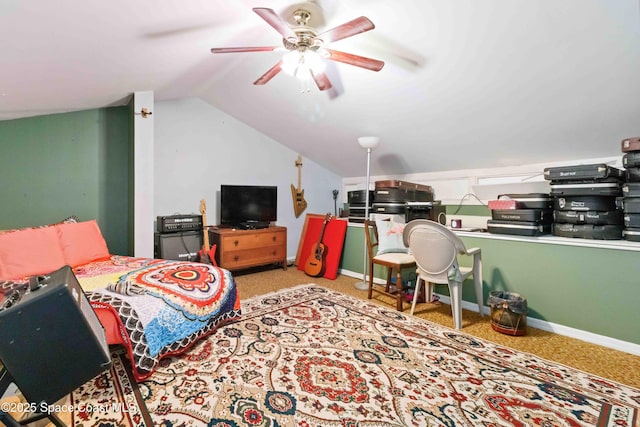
{"x": 358, "y": 211}
{"x": 630, "y": 144}
{"x": 518, "y": 228}
{"x": 588, "y": 217}
{"x": 51, "y": 341}
{"x": 542, "y": 216}
{"x": 631, "y": 189}
{"x": 586, "y": 189}
{"x": 631, "y": 234}
{"x": 631, "y": 159}
{"x": 588, "y": 231}
{"x": 389, "y": 208}
{"x": 632, "y": 220}
{"x": 585, "y": 203}
{"x": 631, "y": 205}
{"x": 530, "y": 200}
{"x": 596, "y": 171}
{"x": 359, "y": 196}
{"x": 400, "y": 195}
{"x": 633, "y": 174}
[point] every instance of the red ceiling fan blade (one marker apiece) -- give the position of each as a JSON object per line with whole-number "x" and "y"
{"x": 275, "y": 21}
{"x": 271, "y": 73}
{"x": 322, "y": 81}
{"x": 358, "y": 61}
{"x": 348, "y": 29}
{"x": 244, "y": 49}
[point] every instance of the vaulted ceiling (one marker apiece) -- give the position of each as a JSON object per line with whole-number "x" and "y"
{"x": 466, "y": 83}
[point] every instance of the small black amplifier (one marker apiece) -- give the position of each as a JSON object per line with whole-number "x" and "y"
{"x": 175, "y": 223}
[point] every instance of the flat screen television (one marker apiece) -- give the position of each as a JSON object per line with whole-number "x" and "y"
{"x": 248, "y": 206}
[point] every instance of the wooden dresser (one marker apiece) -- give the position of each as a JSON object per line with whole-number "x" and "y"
{"x": 238, "y": 249}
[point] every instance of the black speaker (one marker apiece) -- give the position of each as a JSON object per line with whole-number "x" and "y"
{"x": 182, "y": 246}
{"x": 51, "y": 341}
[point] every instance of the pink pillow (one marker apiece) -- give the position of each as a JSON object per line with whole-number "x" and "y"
{"x": 30, "y": 252}
{"x": 82, "y": 242}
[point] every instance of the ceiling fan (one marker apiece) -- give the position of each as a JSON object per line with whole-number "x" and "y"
{"x": 307, "y": 48}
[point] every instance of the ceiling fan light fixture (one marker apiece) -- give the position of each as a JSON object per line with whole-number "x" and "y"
{"x": 299, "y": 63}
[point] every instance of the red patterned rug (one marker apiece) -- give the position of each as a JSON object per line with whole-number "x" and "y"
{"x": 309, "y": 356}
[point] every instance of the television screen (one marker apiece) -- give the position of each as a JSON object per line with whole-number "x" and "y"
{"x": 248, "y": 206}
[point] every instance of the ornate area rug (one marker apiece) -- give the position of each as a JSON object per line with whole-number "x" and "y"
{"x": 309, "y": 356}
{"x": 109, "y": 400}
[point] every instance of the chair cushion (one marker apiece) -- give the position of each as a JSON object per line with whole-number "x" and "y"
{"x": 395, "y": 258}
{"x": 390, "y": 237}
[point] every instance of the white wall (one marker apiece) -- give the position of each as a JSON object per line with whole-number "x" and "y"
{"x": 143, "y": 176}
{"x": 198, "y": 148}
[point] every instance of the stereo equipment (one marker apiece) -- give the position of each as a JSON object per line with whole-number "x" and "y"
{"x": 175, "y": 223}
{"x": 51, "y": 341}
{"x": 182, "y": 246}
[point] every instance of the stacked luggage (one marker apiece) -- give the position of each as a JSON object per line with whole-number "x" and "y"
{"x": 521, "y": 214}
{"x": 411, "y": 200}
{"x": 585, "y": 201}
{"x": 631, "y": 189}
{"x": 357, "y": 204}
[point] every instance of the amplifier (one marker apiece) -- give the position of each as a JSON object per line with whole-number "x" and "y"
{"x": 174, "y": 223}
{"x": 51, "y": 341}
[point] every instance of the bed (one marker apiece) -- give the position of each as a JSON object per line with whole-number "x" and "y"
{"x": 153, "y": 307}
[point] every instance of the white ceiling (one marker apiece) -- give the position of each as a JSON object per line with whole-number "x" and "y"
{"x": 467, "y": 83}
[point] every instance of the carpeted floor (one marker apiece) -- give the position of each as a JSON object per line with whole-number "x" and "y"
{"x": 598, "y": 360}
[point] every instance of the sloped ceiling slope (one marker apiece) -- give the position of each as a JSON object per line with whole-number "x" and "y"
{"x": 466, "y": 84}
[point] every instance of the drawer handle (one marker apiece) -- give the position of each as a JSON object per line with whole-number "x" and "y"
{"x": 236, "y": 258}
{"x": 273, "y": 238}
{"x": 273, "y": 253}
{"x": 235, "y": 242}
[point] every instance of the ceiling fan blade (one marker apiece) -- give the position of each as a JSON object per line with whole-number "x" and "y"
{"x": 244, "y": 49}
{"x": 322, "y": 81}
{"x": 358, "y": 61}
{"x": 275, "y": 21}
{"x": 271, "y": 73}
{"x": 348, "y": 29}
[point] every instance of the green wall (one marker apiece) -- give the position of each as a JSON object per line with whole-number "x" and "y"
{"x": 590, "y": 289}
{"x": 67, "y": 164}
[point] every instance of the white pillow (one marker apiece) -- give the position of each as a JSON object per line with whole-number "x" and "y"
{"x": 390, "y": 237}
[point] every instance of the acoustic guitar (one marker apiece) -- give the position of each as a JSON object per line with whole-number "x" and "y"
{"x": 299, "y": 203}
{"x": 315, "y": 264}
{"x": 207, "y": 254}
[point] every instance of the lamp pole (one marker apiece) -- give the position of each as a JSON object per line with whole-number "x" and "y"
{"x": 368, "y": 142}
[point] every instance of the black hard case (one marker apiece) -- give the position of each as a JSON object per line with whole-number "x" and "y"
{"x": 631, "y": 189}
{"x": 518, "y": 228}
{"x": 359, "y": 196}
{"x": 633, "y": 174}
{"x": 632, "y": 220}
{"x": 596, "y": 171}
{"x": 630, "y": 144}
{"x": 631, "y": 205}
{"x": 631, "y": 234}
{"x": 586, "y": 189}
{"x": 585, "y": 203}
{"x": 588, "y": 217}
{"x": 544, "y": 216}
{"x": 531, "y": 200}
{"x": 389, "y": 208}
{"x": 588, "y": 231}
{"x": 399, "y": 195}
{"x": 51, "y": 341}
{"x": 631, "y": 159}
{"x": 357, "y": 211}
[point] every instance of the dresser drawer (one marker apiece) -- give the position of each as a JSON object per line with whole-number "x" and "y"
{"x": 249, "y": 257}
{"x": 253, "y": 240}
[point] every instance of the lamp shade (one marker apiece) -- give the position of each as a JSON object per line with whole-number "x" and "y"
{"x": 368, "y": 141}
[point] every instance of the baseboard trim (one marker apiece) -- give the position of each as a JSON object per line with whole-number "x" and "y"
{"x": 605, "y": 341}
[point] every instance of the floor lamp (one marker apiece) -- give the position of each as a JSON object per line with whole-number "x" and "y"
{"x": 368, "y": 142}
